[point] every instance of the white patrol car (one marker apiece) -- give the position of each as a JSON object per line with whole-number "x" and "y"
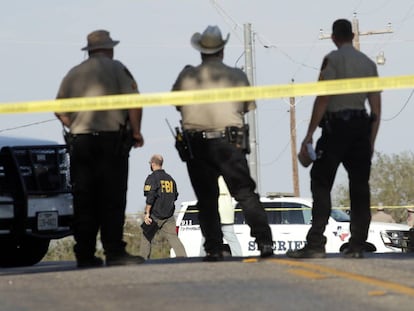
{"x": 290, "y": 219}
{"x": 35, "y": 198}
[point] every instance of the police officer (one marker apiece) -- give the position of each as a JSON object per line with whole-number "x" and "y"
{"x": 381, "y": 216}
{"x": 160, "y": 191}
{"x": 99, "y": 144}
{"x": 348, "y": 137}
{"x": 216, "y": 145}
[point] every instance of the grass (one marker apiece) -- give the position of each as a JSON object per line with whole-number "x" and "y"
{"x": 62, "y": 249}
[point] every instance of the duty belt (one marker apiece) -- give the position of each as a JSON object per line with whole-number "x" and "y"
{"x": 99, "y": 133}
{"x": 207, "y": 134}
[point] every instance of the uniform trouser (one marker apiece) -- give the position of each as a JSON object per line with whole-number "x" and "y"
{"x": 167, "y": 228}
{"x": 346, "y": 142}
{"x": 99, "y": 174}
{"x": 212, "y": 158}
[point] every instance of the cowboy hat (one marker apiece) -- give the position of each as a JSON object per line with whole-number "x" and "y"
{"x": 99, "y": 39}
{"x": 210, "y": 41}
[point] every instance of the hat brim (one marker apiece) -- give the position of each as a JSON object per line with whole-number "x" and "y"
{"x": 108, "y": 45}
{"x": 195, "y": 42}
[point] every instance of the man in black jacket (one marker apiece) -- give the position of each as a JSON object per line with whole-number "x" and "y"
{"x": 160, "y": 191}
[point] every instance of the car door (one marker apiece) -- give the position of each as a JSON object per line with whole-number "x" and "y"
{"x": 290, "y": 222}
{"x": 189, "y": 231}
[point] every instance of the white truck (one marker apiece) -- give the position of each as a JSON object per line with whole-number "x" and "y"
{"x": 290, "y": 219}
{"x": 35, "y": 199}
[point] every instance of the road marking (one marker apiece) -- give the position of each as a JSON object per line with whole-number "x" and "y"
{"x": 307, "y": 274}
{"x": 377, "y": 293}
{"x": 384, "y": 285}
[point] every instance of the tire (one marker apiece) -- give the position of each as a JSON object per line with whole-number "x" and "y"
{"x": 26, "y": 252}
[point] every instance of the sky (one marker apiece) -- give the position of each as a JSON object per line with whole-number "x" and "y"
{"x": 41, "y": 40}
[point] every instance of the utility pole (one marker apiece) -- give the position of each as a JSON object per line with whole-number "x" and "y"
{"x": 292, "y": 111}
{"x": 251, "y": 116}
{"x": 357, "y": 33}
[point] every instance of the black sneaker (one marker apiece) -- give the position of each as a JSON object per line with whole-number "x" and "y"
{"x": 353, "y": 253}
{"x": 306, "y": 252}
{"x": 93, "y": 262}
{"x": 124, "y": 259}
{"x": 266, "y": 250}
{"x": 214, "y": 257}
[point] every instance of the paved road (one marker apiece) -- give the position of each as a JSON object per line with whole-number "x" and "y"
{"x": 378, "y": 282}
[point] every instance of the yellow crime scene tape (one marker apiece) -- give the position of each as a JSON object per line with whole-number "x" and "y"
{"x": 344, "y": 208}
{"x": 331, "y": 87}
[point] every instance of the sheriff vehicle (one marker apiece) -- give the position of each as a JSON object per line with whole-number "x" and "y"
{"x": 35, "y": 199}
{"x": 290, "y": 219}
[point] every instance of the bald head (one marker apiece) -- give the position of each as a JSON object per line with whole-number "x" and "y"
{"x": 157, "y": 159}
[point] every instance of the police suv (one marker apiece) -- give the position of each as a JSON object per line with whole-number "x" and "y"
{"x": 35, "y": 199}
{"x": 290, "y": 219}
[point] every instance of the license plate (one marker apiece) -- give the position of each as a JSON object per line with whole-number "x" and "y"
{"x": 47, "y": 221}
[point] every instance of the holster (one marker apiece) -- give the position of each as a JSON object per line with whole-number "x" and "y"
{"x": 183, "y": 146}
{"x": 239, "y": 136}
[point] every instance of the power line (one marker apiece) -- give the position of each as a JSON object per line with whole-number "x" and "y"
{"x": 26, "y": 125}
{"x": 234, "y": 26}
{"x": 273, "y": 46}
{"x": 400, "y": 26}
{"x": 402, "y": 108}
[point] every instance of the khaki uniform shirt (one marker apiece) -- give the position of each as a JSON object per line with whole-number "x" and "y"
{"x": 344, "y": 63}
{"x": 212, "y": 73}
{"x": 97, "y": 76}
{"x": 381, "y": 216}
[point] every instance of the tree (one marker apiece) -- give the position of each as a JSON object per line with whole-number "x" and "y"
{"x": 392, "y": 184}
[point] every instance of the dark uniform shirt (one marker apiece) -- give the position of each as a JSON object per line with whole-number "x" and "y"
{"x": 343, "y": 63}
{"x": 161, "y": 192}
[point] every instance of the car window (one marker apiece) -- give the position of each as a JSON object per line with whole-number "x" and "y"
{"x": 190, "y": 217}
{"x": 288, "y": 213}
{"x": 238, "y": 216}
{"x": 340, "y": 215}
{"x": 281, "y": 213}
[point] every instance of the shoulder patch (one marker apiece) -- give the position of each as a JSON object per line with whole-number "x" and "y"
{"x": 147, "y": 188}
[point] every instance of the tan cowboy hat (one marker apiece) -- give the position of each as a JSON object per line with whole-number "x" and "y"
{"x": 99, "y": 39}
{"x": 210, "y": 41}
